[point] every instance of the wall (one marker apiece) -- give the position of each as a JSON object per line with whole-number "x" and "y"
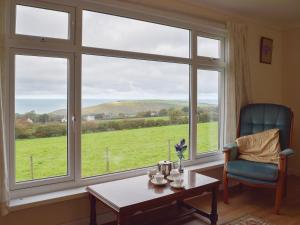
{"x": 266, "y": 87}
{"x": 291, "y": 81}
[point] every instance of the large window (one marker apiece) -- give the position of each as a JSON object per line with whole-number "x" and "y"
{"x": 110, "y": 92}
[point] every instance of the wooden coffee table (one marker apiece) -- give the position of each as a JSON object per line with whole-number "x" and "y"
{"x": 126, "y": 197}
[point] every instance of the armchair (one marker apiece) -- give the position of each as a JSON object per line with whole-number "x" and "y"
{"x": 256, "y": 118}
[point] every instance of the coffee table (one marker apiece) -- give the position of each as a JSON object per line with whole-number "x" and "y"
{"x": 126, "y": 197}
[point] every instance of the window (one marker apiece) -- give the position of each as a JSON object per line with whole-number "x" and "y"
{"x": 208, "y": 47}
{"x": 41, "y": 129}
{"x": 119, "y": 33}
{"x": 207, "y": 111}
{"x": 112, "y": 101}
{"x": 42, "y": 22}
{"x": 130, "y": 117}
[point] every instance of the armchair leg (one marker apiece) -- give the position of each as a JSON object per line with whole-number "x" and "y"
{"x": 279, "y": 195}
{"x": 225, "y": 187}
{"x": 285, "y": 187}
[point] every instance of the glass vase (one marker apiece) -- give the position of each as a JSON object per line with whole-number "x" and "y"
{"x": 180, "y": 167}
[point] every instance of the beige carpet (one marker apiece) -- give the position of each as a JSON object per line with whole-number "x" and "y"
{"x": 249, "y": 220}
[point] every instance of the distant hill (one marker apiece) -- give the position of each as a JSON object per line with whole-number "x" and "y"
{"x": 129, "y": 107}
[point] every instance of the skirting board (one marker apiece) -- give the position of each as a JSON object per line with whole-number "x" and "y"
{"x": 102, "y": 219}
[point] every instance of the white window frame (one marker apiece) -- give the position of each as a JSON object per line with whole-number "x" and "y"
{"x": 73, "y": 49}
{"x": 44, "y": 5}
{"x": 70, "y": 124}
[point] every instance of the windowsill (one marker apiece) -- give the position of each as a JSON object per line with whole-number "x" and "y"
{"x": 58, "y": 196}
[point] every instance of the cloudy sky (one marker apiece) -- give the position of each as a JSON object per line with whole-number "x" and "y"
{"x": 108, "y": 77}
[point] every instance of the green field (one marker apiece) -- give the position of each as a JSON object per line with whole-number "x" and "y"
{"x": 127, "y": 149}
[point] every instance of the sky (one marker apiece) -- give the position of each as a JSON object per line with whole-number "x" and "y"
{"x": 108, "y": 77}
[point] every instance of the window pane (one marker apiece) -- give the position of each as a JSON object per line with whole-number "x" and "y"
{"x": 133, "y": 113}
{"x": 40, "y": 119}
{"x": 42, "y": 22}
{"x": 208, "y": 111}
{"x": 119, "y": 33}
{"x": 208, "y": 47}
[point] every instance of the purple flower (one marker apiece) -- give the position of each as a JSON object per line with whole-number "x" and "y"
{"x": 180, "y": 148}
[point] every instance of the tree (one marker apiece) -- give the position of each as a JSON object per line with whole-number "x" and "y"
{"x": 43, "y": 118}
{"x": 23, "y": 128}
{"x": 99, "y": 116}
{"x": 185, "y": 109}
{"x": 143, "y": 114}
{"x": 174, "y": 115}
{"x": 163, "y": 112}
{"x": 31, "y": 115}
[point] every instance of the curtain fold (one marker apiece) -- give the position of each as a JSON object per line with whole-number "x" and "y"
{"x": 238, "y": 83}
{"x": 4, "y": 190}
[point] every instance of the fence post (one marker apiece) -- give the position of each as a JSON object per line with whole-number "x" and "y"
{"x": 31, "y": 167}
{"x": 169, "y": 149}
{"x": 107, "y": 159}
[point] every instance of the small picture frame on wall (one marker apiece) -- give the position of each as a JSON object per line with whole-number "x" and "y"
{"x": 266, "y": 50}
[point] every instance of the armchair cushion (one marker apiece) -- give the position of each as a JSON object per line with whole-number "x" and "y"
{"x": 252, "y": 181}
{"x": 253, "y": 170}
{"x": 260, "y": 117}
{"x": 261, "y": 147}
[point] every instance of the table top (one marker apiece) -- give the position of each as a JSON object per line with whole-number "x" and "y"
{"x": 138, "y": 191}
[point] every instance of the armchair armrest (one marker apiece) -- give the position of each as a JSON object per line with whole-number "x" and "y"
{"x": 288, "y": 152}
{"x": 231, "y": 151}
{"x": 283, "y": 160}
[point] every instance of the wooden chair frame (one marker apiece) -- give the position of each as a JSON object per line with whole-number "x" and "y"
{"x": 281, "y": 184}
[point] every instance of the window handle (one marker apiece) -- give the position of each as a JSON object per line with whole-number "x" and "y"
{"x": 73, "y": 122}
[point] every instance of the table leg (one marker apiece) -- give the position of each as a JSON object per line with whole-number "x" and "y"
{"x": 92, "y": 210}
{"x": 214, "y": 207}
{"x": 120, "y": 220}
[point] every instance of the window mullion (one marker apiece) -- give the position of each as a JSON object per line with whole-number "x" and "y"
{"x": 193, "y": 97}
{"x": 77, "y": 93}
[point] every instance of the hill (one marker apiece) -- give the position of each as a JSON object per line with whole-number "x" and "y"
{"x": 129, "y": 107}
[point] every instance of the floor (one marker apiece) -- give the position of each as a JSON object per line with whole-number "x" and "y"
{"x": 259, "y": 203}
{"x": 242, "y": 202}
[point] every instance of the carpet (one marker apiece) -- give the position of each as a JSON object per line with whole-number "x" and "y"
{"x": 248, "y": 220}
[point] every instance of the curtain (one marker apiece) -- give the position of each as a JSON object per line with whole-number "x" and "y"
{"x": 4, "y": 190}
{"x": 238, "y": 83}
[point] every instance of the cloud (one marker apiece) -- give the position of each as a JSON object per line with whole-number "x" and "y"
{"x": 109, "y": 77}
{"x": 113, "y": 32}
{"x": 42, "y": 22}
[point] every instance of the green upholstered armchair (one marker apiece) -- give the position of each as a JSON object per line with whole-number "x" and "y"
{"x": 256, "y": 118}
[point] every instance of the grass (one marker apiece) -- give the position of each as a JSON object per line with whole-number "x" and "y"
{"x": 127, "y": 149}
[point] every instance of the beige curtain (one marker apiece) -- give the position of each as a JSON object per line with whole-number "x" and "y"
{"x": 4, "y": 191}
{"x": 238, "y": 83}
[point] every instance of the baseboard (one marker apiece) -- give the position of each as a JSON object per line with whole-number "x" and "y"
{"x": 106, "y": 218}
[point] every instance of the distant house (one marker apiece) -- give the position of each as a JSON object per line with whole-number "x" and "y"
{"x": 90, "y": 118}
{"x": 154, "y": 114}
{"x": 29, "y": 120}
{"x": 64, "y": 120}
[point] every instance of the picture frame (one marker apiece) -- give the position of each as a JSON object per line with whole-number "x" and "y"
{"x": 266, "y": 50}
